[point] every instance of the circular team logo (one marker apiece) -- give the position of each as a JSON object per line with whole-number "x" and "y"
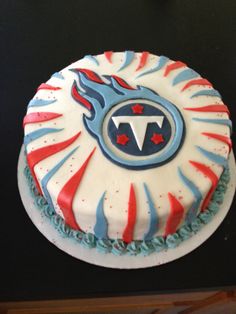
{"x": 135, "y": 128}
{"x": 139, "y": 128}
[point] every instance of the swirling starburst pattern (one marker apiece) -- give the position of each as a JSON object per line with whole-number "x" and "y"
{"x": 127, "y": 145}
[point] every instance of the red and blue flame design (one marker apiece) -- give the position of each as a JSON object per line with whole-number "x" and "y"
{"x": 99, "y": 97}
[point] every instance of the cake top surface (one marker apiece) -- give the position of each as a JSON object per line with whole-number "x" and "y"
{"x": 126, "y": 128}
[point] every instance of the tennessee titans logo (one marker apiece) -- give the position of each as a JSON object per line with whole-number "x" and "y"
{"x": 139, "y": 128}
{"x": 135, "y": 127}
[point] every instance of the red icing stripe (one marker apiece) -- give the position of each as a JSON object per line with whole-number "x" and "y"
{"x": 47, "y": 86}
{"x": 143, "y": 60}
{"x": 35, "y": 117}
{"x": 213, "y": 178}
{"x": 175, "y": 216}
{"x": 201, "y": 81}
{"x": 121, "y": 82}
{"x": 38, "y": 155}
{"x": 67, "y": 193}
{"x": 108, "y": 55}
{"x": 210, "y": 108}
{"x": 129, "y": 229}
{"x": 174, "y": 66}
{"x": 76, "y": 95}
{"x": 91, "y": 75}
{"x": 222, "y": 138}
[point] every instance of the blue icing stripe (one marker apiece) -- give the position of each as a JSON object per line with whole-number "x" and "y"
{"x": 58, "y": 75}
{"x": 192, "y": 213}
{"x": 101, "y": 226}
{"x": 39, "y": 133}
{"x": 92, "y": 58}
{"x": 153, "y": 225}
{"x": 185, "y": 75}
{"x": 213, "y": 157}
{"x": 207, "y": 92}
{"x": 161, "y": 62}
{"x": 40, "y": 102}
{"x": 129, "y": 55}
{"x": 215, "y": 121}
{"x": 50, "y": 174}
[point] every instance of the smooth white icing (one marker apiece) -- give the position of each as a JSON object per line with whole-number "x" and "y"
{"x": 103, "y": 175}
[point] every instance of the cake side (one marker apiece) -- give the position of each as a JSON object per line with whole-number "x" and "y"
{"x": 135, "y": 247}
{"x": 76, "y": 169}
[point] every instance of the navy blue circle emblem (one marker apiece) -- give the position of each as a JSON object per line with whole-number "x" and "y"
{"x": 139, "y": 129}
{"x": 142, "y": 133}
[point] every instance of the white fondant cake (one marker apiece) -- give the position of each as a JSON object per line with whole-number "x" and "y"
{"x": 127, "y": 145}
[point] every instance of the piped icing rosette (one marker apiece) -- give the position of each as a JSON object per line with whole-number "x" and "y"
{"x": 127, "y": 146}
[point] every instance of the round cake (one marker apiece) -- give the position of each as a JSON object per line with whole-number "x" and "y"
{"x": 128, "y": 151}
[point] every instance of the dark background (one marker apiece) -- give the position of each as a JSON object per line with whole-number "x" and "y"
{"x": 39, "y": 38}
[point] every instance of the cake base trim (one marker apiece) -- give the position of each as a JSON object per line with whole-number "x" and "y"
{"x": 157, "y": 246}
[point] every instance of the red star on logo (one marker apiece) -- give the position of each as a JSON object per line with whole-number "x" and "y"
{"x": 157, "y": 138}
{"x": 122, "y": 139}
{"x": 137, "y": 109}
